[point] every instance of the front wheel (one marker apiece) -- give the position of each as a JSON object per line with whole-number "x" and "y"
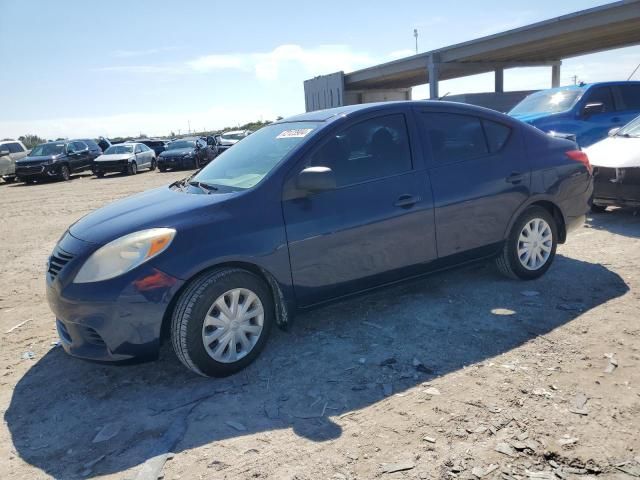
{"x": 153, "y": 165}
{"x": 531, "y": 246}
{"x": 132, "y": 169}
{"x": 65, "y": 174}
{"x": 598, "y": 208}
{"x": 221, "y": 322}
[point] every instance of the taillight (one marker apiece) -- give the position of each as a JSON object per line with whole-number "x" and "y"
{"x": 580, "y": 156}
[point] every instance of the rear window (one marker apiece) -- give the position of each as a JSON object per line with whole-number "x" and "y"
{"x": 455, "y": 137}
{"x": 48, "y": 149}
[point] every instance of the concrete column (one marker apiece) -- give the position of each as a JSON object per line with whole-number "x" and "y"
{"x": 499, "y": 80}
{"x": 555, "y": 75}
{"x": 434, "y": 78}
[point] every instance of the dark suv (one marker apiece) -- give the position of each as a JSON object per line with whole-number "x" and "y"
{"x": 186, "y": 153}
{"x": 57, "y": 160}
{"x": 155, "y": 144}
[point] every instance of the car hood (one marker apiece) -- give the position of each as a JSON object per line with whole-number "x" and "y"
{"x": 530, "y": 117}
{"x": 37, "y": 159}
{"x": 615, "y": 152}
{"x": 160, "y": 207}
{"x": 114, "y": 156}
{"x": 177, "y": 152}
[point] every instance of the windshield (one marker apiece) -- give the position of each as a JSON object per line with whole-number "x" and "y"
{"x": 47, "y": 149}
{"x": 244, "y": 165}
{"x": 181, "y": 144}
{"x": 547, "y": 102}
{"x": 232, "y": 136}
{"x": 631, "y": 129}
{"x": 119, "y": 149}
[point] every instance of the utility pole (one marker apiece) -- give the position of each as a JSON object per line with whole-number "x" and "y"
{"x": 415, "y": 34}
{"x": 575, "y": 79}
{"x": 189, "y": 123}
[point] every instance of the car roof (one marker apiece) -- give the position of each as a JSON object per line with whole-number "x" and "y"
{"x": 333, "y": 114}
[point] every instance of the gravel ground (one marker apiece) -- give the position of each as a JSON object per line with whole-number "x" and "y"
{"x": 463, "y": 374}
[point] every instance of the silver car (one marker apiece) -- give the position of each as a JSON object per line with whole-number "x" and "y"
{"x": 10, "y": 151}
{"x": 127, "y": 158}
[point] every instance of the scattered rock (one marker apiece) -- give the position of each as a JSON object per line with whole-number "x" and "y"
{"x": 429, "y": 439}
{"x": 566, "y": 440}
{"x": 518, "y": 445}
{"x": 503, "y": 311}
{"x": 580, "y": 404}
{"x": 540, "y": 475}
{"x": 477, "y": 472}
{"x": 28, "y": 355}
{"x": 431, "y": 391}
{"x": 107, "y": 432}
{"x": 613, "y": 363}
{"x": 505, "y": 449}
{"x": 397, "y": 467}
{"x": 236, "y": 425}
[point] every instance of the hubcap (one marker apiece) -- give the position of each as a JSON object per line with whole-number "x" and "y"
{"x": 233, "y": 325}
{"x": 535, "y": 244}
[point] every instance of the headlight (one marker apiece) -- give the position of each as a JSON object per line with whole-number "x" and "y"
{"x": 124, "y": 254}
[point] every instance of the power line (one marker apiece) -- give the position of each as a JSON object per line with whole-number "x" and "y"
{"x": 634, "y": 72}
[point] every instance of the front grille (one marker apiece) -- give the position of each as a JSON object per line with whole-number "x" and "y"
{"x": 58, "y": 259}
{"x": 111, "y": 164}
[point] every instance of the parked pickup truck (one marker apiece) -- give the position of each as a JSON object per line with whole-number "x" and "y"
{"x": 10, "y": 151}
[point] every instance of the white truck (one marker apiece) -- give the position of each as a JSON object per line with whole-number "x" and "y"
{"x": 10, "y": 151}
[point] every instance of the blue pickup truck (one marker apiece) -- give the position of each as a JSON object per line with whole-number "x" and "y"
{"x": 587, "y": 111}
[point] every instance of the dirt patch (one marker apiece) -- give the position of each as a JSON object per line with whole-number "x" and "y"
{"x": 426, "y": 380}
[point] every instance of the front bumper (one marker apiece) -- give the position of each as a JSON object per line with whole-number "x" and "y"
{"x": 617, "y": 186}
{"x": 49, "y": 170}
{"x": 176, "y": 162}
{"x": 110, "y": 166}
{"x": 114, "y": 320}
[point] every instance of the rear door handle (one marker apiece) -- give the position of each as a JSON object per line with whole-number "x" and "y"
{"x": 515, "y": 177}
{"x": 406, "y": 201}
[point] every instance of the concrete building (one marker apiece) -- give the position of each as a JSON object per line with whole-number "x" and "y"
{"x": 545, "y": 43}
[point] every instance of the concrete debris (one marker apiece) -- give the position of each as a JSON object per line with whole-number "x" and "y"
{"x": 505, "y": 449}
{"x": 28, "y": 355}
{"x": 518, "y": 445}
{"x": 477, "y": 472}
{"x": 566, "y": 440}
{"x": 540, "y": 475}
{"x": 431, "y": 391}
{"x": 107, "y": 432}
{"x": 580, "y": 404}
{"x": 398, "y": 467}
{"x": 429, "y": 439}
{"x": 613, "y": 363}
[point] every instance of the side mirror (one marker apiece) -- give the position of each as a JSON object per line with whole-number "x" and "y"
{"x": 4, "y": 151}
{"x": 613, "y": 131}
{"x": 316, "y": 179}
{"x": 592, "y": 108}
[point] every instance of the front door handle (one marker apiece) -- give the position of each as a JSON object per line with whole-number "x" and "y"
{"x": 406, "y": 201}
{"x": 515, "y": 177}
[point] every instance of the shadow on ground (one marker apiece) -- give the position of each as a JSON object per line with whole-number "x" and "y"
{"x": 621, "y": 221}
{"x": 329, "y": 364}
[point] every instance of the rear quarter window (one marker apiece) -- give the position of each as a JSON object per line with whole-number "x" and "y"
{"x": 630, "y": 97}
{"x": 497, "y": 135}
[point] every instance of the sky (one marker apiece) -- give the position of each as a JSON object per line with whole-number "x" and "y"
{"x": 85, "y": 68}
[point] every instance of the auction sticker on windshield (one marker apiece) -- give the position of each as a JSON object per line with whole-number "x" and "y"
{"x": 296, "y": 133}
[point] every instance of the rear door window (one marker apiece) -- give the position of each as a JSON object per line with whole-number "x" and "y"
{"x": 454, "y": 137}
{"x": 629, "y": 97}
{"x": 497, "y": 135}
{"x": 15, "y": 148}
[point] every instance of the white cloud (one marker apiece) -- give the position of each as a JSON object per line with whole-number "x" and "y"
{"x": 269, "y": 65}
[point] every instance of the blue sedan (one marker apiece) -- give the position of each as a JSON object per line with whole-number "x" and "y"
{"x": 307, "y": 210}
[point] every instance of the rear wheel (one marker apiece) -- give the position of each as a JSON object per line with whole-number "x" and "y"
{"x": 132, "y": 169}
{"x": 221, "y": 322}
{"x": 10, "y": 179}
{"x": 100, "y": 174}
{"x": 65, "y": 174}
{"x": 531, "y": 246}
{"x": 162, "y": 169}
{"x": 153, "y": 164}
{"x": 598, "y": 208}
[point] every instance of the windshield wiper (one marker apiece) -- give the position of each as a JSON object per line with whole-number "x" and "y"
{"x": 205, "y": 187}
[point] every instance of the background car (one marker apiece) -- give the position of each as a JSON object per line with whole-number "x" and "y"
{"x": 616, "y": 161}
{"x": 185, "y": 153}
{"x": 588, "y": 111}
{"x": 306, "y": 211}
{"x": 58, "y": 160}
{"x": 126, "y": 158}
{"x": 155, "y": 144}
{"x": 10, "y": 152}
{"x": 228, "y": 139}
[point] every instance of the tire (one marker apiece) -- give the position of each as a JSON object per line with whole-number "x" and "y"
{"x": 598, "y": 208}
{"x": 196, "y": 163}
{"x": 153, "y": 165}
{"x": 201, "y": 298}
{"x": 529, "y": 267}
{"x": 132, "y": 169}
{"x": 100, "y": 174}
{"x": 65, "y": 174}
{"x": 9, "y": 179}
{"x": 162, "y": 169}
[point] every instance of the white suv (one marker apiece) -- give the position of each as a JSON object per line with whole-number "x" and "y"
{"x": 10, "y": 151}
